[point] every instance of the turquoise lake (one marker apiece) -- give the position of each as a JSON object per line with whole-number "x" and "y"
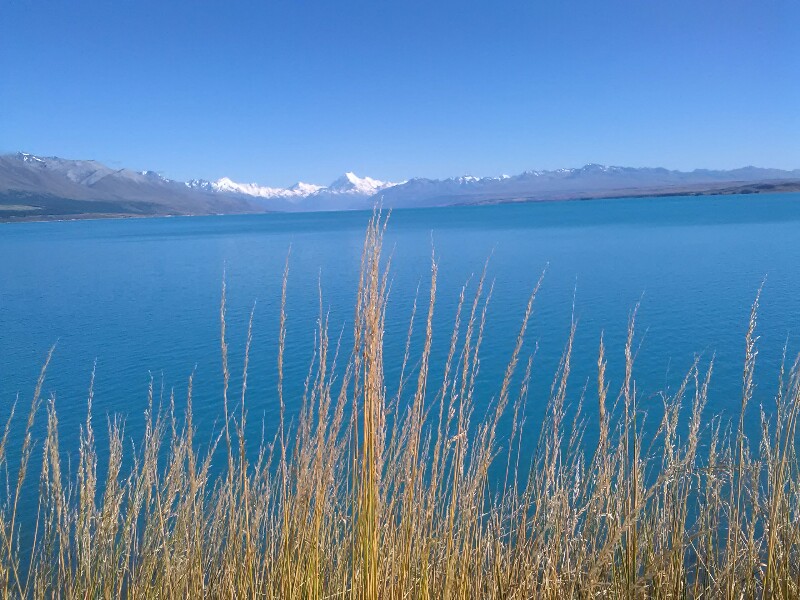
{"x": 141, "y": 298}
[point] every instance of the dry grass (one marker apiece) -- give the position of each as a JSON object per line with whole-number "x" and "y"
{"x": 369, "y": 496}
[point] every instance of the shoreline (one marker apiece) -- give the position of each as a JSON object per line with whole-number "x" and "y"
{"x": 755, "y": 189}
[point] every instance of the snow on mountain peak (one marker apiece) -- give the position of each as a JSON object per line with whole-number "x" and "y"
{"x": 199, "y": 184}
{"x": 350, "y": 183}
{"x": 300, "y": 189}
{"x": 154, "y": 176}
{"x": 226, "y": 184}
{"x": 303, "y": 189}
{"x": 29, "y": 158}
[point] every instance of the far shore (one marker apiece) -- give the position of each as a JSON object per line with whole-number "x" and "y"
{"x": 758, "y": 188}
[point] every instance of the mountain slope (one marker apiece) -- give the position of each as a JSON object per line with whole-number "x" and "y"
{"x": 54, "y": 187}
{"x": 585, "y": 182}
{"x": 33, "y": 187}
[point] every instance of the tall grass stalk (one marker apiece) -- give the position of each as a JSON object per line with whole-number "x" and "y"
{"x": 414, "y": 495}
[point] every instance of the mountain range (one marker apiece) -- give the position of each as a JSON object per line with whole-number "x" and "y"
{"x": 39, "y": 188}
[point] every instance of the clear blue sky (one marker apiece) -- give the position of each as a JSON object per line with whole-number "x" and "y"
{"x": 275, "y": 91}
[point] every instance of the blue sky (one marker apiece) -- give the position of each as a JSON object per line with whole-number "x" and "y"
{"x": 275, "y": 91}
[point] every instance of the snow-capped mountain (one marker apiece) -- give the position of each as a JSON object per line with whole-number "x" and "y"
{"x": 302, "y": 189}
{"x": 349, "y": 183}
{"x": 199, "y": 184}
{"x": 52, "y": 186}
{"x": 298, "y": 190}
{"x": 249, "y": 189}
{"x": 347, "y": 192}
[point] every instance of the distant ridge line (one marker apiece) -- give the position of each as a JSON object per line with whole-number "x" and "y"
{"x": 37, "y": 188}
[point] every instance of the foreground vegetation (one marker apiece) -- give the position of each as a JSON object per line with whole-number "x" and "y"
{"x": 409, "y": 496}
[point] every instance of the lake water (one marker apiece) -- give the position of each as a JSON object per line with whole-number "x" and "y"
{"x": 141, "y": 297}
